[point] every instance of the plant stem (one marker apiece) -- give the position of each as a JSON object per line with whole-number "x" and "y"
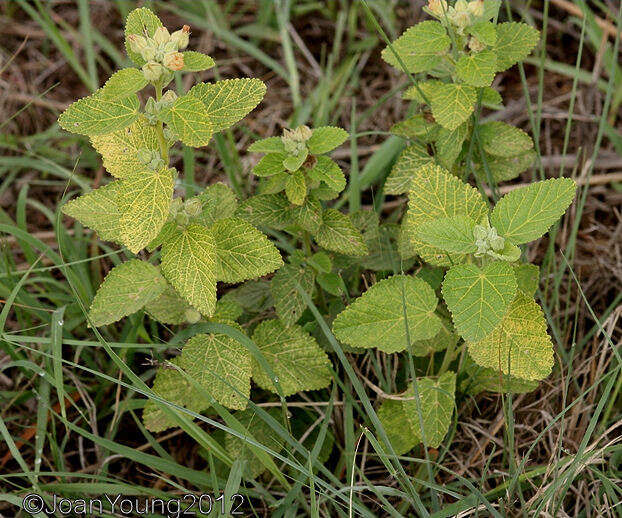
{"x": 160, "y": 127}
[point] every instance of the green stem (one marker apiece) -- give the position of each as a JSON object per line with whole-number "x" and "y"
{"x": 160, "y": 127}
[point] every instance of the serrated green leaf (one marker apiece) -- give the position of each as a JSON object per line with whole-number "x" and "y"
{"x": 296, "y": 188}
{"x": 449, "y": 144}
{"x": 402, "y": 418}
{"x": 267, "y": 145}
{"x": 309, "y": 214}
{"x": 170, "y": 384}
{"x": 527, "y": 278}
{"x": 119, "y": 149}
{"x": 490, "y": 97}
{"x": 188, "y": 118}
{"x": 140, "y": 21}
{"x": 381, "y": 243}
{"x": 125, "y": 290}
{"x": 452, "y": 104}
{"x": 379, "y": 319}
{"x": 273, "y": 184}
{"x": 288, "y": 302}
{"x": 321, "y": 262}
{"x": 293, "y": 163}
{"x": 270, "y": 164}
{"x": 243, "y": 252}
{"x": 330, "y": 282}
{"x": 435, "y": 194}
{"x": 421, "y": 91}
{"x": 519, "y": 345}
{"x": 189, "y": 262}
{"x": 478, "y": 298}
{"x": 219, "y": 202}
{"x": 326, "y": 170}
{"x": 477, "y": 69}
{"x": 123, "y": 83}
{"x": 485, "y": 32}
{"x": 169, "y": 307}
{"x": 527, "y": 213}
{"x": 419, "y": 48}
{"x": 167, "y": 232}
{"x": 196, "y": 61}
{"x": 98, "y": 210}
{"x": 515, "y": 41}
{"x": 144, "y": 200}
{"x": 483, "y": 379}
{"x": 229, "y": 101}
{"x": 272, "y": 210}
{"x": 293, "y": 355}
{"x": 453, "y": 234}
{"x": 221, "y": 365}
{"x": 325, "y": 139}
{"x": 96, "y": 115}
{"x": 504, "y": 169}
{"x": 338, "y": 234}
{"x": 262, "y": 433}
{"x": 501, "y": 139}
{"x": 411, "y": 158}
{"x": 417, "y": 127}
{"x": 393, "y": 418}
{"x": 324, "y": 192}
{"x": 227, "y": 309}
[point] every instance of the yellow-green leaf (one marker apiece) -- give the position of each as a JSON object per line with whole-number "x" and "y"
{"x": 123, "y": 83}
{"x": 452, "y": 104}
{"x": 519, "y": 345}
{"x": 98, "y": 210}
{"x": 527, "y": 213}
{"x": 293, "y": 355}
{"x": 515, "y": 41}
{"x": 389, "y": 314}
{"x": 125, "y": 290}
{"x": 412, "y": 158}
{"x": 144, "y": 200}
{"x": 230, "y": 100}
{"x": 288, "y": 302}
{"x": 221, "y": 365}
{"x": 189, "y": 119}
{"x": 119, "y": 149}
{"x": 196, "y": 61}
{"x": 189, "y": 263}
{"x": 338, "y": 234}
{"x": 243, "y": 252}
{"x": 96, "y": 115}
{"x": 140, "y": 21}
{"x": 478, "y": 298}
{"x": 477, "y": 69}
{"x": 419, "y": 48}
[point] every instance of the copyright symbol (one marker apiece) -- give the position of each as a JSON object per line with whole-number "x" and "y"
{"x": 33, "y": 503}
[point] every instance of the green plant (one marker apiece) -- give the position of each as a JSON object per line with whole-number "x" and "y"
{"x": 487, "y": 293}
{"x": 461, "y": 51}
{"x": 488, "y": 333}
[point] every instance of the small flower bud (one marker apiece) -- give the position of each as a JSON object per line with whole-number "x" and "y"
{"x": 476, "y": 7}
{"x": 193, "y": 207}
{"x": 437, "y": 8}
{"x": 152, "y": 71}
{"x": 145, "y": 155}
{"x": 182, "y": 219}
{"x": 137, "y": 43}
{"x": 192, "y": 316}
{"x": 161, "y": 35}
{"x": 181, "y": 37}
{"x": 475, "y": 45}
{"x": 168, "y": 98}
{"x": 174, "y": 61}
{"x": 176, "y": 204}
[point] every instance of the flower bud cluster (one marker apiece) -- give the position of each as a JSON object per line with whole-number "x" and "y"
{"x": 295, "y": 140}
{"x": 161, "y": 52}
{"x": 151, "y": 158}
{"x": 153, "y": 107}
{"x": 182, "y": 212}
{"x": 460, "y": 15}
{"x": 487, "y": 241}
